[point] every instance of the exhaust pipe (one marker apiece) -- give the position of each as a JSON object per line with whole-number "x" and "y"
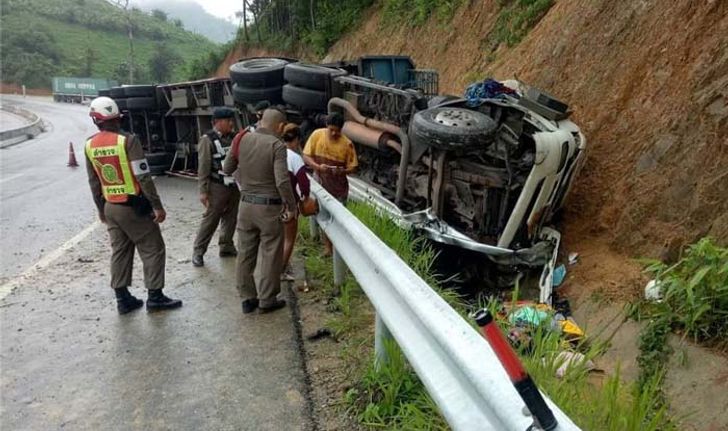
{"x": 370, "y": 137}
{"x": 384, "y": 127}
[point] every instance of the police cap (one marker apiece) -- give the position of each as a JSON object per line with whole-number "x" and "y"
{"x": 220, "y": 113}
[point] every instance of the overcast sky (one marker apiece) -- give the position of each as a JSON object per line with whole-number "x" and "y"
{"x": 220, "y": 8}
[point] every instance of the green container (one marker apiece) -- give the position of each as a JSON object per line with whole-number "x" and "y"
{"x": 88, "y": 87}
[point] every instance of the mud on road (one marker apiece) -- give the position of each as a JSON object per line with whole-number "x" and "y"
{"x": 69, "y": 361}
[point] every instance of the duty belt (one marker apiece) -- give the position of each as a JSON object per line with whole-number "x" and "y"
{"x": 260, "y": 200}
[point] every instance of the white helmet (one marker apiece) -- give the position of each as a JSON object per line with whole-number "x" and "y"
{"x": 104, "y": 109}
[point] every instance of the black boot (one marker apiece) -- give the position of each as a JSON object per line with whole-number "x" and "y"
{"x": 157, "y": 301}
{"x": 125, "y": 301}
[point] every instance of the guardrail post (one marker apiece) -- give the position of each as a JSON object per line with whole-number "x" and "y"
{"x": 381, "y": 336}
{"x": 313, "y": 227}
{"x": 339, "y": 268}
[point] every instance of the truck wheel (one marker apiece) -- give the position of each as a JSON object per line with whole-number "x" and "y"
{"x": 116, "y": 92}
{"x": 141, "y": 103}
{"x": 304, "y": 98}
{"x": 139, "y": 90}
{"x": 452, "y": 128}
{"x": 243, "y": 95}
{"x": 159, "y": 162}
{"x": 121, "y": 103}
{"x": 310, "y": 76}
{"x": 258, "y": 72}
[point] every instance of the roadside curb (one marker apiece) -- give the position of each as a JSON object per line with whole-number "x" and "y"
{"x": 11, "y": 137}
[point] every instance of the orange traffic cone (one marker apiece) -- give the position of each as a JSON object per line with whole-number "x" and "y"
{"x": 71, "y": 156}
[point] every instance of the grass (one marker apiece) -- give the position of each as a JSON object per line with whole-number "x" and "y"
{"x": 695, "y": 293}
{"x": 417, "y": 12}
{"x": 391, "y": 396}
{"x": 515, "y": 19}
{"x": 75, "y": 27}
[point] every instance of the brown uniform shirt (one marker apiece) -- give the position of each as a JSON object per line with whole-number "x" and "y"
{"x": 204, "y": 159}
{"x": 262, "y": 168}
{"x": 134, "y": 151}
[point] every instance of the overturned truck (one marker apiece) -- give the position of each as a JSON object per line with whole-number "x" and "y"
{"x": 484, "y": 177}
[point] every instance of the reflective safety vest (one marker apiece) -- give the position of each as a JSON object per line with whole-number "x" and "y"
{"x": 107, "y": 153}
{"x": 218, "y": 153}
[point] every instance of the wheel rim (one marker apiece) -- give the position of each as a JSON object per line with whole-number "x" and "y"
{"x": 456, "y": 118}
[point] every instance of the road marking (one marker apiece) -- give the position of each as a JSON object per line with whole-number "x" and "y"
{"x": 10, "y": 178}
{"x": 46, "y": 260}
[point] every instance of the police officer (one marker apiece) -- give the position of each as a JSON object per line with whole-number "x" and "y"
{"x": 267, "y": 203}
{"x": 128, "y": 204}
{"x": 218, "y": 192}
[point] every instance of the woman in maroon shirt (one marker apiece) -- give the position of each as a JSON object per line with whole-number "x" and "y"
{"x": 301, "y": 189}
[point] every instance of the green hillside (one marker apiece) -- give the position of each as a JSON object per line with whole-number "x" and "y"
{"x": 45, "y": 38}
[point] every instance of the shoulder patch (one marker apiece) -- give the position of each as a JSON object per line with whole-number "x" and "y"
{"x": 140, "y": 167}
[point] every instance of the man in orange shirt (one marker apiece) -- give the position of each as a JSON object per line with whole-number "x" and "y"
{"x": 332, "y": 157}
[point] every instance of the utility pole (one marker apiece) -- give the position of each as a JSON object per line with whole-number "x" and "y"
{"x": 124, "y": 5}
{"x": 130, "y": 32}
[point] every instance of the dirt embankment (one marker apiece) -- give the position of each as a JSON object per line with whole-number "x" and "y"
{"x": 648, "y": 82}
{"x": 242, "y": 51}
{"x": 7, "y": 88}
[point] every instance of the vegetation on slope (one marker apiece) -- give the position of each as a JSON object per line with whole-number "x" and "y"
{"x": 45, "y": 38}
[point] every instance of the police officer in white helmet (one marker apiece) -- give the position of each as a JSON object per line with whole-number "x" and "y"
{"x": 129, "y": 205}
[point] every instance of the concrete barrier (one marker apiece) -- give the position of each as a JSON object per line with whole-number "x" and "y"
{"x": 20, "y": 134}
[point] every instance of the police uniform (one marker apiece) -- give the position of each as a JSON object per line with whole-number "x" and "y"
{"x": 125, "y": 194}
{"x": 221, "y": 190}
{"x": 262, "y": 172}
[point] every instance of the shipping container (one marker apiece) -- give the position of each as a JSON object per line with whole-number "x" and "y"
{"x": 77, "y": 90}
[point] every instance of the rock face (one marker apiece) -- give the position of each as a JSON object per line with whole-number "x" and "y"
{"x": 648, "y": 83}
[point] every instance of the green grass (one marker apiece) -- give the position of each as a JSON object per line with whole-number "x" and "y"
{"x": 417, "y": 12}
{"x": 73, "y": 27}
{"x": 695, "y": 292}
{"x": 515, "y": 19}
{"x": 390, "y": 396}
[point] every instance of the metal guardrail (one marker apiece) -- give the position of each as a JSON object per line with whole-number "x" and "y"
{"x": 457, "y": 366}
{"x": 31, "y": 130}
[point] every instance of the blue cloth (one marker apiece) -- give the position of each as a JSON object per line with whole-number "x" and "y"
{"x": 488, "y": 89}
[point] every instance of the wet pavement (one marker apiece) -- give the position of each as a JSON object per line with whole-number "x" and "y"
{"x": 9, "y": 121}
{"x": 43, "y": 203}
{"x": 69, "y": 361}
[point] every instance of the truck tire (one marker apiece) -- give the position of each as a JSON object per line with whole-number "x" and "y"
{"x": 121, "y": 103}
{"x": 304, "y": 98}
{"x": 258, "y": 72}
{"x": 141, "y": 103}
{"x": 310, "y": 76}
{"x": 243, "y": 95}
{"x": 116, "y": 92}
{"x": 159, "y": 162}
{"x": 452, "y": 128}
{"x": 139, "y": 90}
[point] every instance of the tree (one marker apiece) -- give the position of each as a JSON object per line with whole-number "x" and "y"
{"x": 162, "y": 62}
{"x": 178, "y": 23}
{"x": 87, "y": 61}
{"x": 28, "y": 55}
{"x": 159, "y": 14}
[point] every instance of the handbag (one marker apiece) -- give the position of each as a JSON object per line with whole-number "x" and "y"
{"x": 308, "y": 206}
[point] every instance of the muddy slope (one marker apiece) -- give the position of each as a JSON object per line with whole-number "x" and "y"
{"x": 648, "y": 82}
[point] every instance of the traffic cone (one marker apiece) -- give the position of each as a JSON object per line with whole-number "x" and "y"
{"x": 71, "y": 156}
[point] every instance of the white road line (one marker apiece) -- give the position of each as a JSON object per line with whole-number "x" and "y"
{"x": 10, "y": 178}
{"x": 48, "y": 259}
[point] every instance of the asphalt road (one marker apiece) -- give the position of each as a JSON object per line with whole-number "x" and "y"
{"x": 10, "y": 121}
{"x": 43, "y": 203}
{"x": 69, "y": 361}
